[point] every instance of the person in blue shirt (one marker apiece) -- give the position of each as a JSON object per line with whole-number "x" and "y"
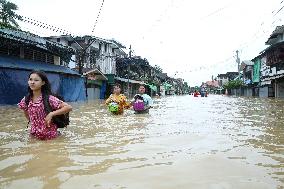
{"x": 142, "y": 96}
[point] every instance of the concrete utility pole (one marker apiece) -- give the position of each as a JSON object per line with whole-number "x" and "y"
{"x": 238, "y": 60}
{"x": 128, "y": 69}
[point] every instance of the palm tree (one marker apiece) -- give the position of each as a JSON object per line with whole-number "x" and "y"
{"x": 8, "y": 16}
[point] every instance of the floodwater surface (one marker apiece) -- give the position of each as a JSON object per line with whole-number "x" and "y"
{"x": 184, "y": 142}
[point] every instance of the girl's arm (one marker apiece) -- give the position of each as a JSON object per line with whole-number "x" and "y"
{"x": 63, "y": 109}
{"x": 108, "y": 100}
{"x": 22, "y": 105}
{"x": 125, "y": 103}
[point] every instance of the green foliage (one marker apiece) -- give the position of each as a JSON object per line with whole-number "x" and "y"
{"x": 158, "y": 69}
{"x": 234, "y": 84}
{"x": 8, "y": 16}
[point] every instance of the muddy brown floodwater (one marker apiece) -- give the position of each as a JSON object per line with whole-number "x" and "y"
{"x": 185, "y": 142}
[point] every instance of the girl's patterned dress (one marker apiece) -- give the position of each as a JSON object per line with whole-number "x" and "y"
{"x": 37, "y": 117}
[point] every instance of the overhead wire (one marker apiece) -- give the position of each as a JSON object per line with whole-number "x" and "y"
{"x": 98, "y": 16}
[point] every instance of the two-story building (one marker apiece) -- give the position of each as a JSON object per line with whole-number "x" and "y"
{"x": 95, "y": 58}
{"x": 225, "y": 78}
{"x": 275, "y": 60}
{"x": 222, "y": 79}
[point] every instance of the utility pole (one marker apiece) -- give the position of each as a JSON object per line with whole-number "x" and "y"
{"x": 238, "y": 60}
{"x": 130, "y": 51}
{"x": 128, "y": 70}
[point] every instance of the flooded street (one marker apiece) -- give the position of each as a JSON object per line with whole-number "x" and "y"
{"x": 185, "y": 142}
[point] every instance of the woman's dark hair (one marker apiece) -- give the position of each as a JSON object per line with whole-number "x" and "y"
{"x": 143, "y": 85}
{"x": 116, "y": 85}
{"x": 45, "y": 89}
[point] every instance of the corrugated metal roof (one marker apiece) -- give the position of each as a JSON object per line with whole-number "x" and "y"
{"x": 278, "y": 30}
{"x": 16, "y": 63}
{"x": 23, "y": 36}
{"x": 29, "y": 38}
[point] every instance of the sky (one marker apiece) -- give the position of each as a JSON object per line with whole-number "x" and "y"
{"x": 193, "y": 40}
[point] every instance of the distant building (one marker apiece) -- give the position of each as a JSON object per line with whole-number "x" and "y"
{"x": 222, "y": 79}
{"x": 225, "y": 78}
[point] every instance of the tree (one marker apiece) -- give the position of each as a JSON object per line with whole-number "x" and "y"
{"x": 234, "y": 84}
{"x": 8, "y": 16}
{"x": 186, "y": 87}
{"x": 158, "y": 69}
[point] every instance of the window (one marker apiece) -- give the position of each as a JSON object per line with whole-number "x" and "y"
{"x": 28, "y": 54}
{"x": 39, "y": 56}
{"x": 58, "y": 39}
{"x": 105, "y": 47}
{"x": 10, "y": 50}
{"x": 14, "y": 51}
{"x": 49, "y": 59}
{"x": 4, "y": 49}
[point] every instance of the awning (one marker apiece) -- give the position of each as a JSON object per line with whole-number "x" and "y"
{"x": 95, "y": 82}
{"x": 128, "y": 80}
{"x": 22, "y": 64}
{"x": 95, "y": 74}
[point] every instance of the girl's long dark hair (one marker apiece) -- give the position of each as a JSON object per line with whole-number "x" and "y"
{"x": 45, "y": 89}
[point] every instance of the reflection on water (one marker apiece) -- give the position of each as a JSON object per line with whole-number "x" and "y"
{"x": 185, "y": 142}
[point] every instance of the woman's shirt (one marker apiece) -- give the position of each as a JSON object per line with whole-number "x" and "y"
{"x": 121, "y": 100}
{"x": 148, "y": 101}
{"x": 37, "y": 116}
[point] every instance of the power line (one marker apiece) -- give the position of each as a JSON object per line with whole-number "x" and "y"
{"x": 261, "y": 28}
{"x": 45, "y": 25}
{"x": 278, "y": 10}
{"x": 218, "y": 10}
{"x": 98, "y": 16}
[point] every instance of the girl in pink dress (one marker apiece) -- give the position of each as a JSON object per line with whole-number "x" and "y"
{"x": 39, "y": 88}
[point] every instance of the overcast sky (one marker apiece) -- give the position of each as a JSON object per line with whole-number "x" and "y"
{"x": 189, "y": 39}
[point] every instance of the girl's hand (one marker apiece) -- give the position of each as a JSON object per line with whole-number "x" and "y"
{"x": 48, "y": 119}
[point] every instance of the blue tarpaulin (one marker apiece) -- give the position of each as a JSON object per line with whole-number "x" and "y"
{"x": 14, "y": 76}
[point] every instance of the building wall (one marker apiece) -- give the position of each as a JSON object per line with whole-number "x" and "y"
{"x": 106, "y": 60}
{"x": 280, "y": 90}
{"x": 61, "y": 41}
{"x": 222, "y": 81}
{"x": 56, "y": 60}
{"x": 263, "y": 92}
{"x": 248, "y": 92}
{"x": 93, "y": 93}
